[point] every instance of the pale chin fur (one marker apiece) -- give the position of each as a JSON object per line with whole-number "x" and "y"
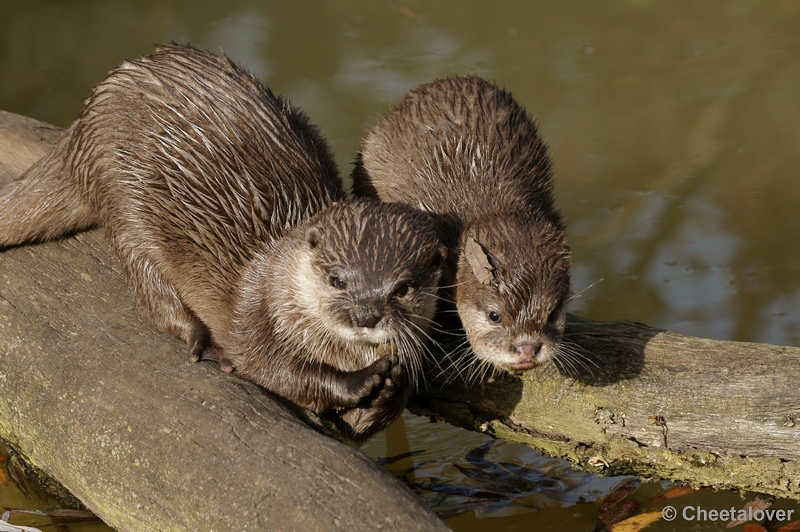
{"x": 364, "y": 335}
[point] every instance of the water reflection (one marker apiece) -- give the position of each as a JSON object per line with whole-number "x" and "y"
{"x": 456, "y": 471}
{"x": 695, "y": 256}
{"x": 244, "y": 35}
{"x": 777, "y": 320}
{"x": 386, "y": 74}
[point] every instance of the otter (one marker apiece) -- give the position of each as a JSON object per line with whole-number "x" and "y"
{"x": 224, "y": 206}
{"x": 465, "y": 150}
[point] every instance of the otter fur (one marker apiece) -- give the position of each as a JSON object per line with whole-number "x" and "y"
{"x": 225, "y": 209}
{"x": 465, "y": 150}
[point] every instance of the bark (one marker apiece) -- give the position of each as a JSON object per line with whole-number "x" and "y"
{"x": 649, "y": 402}
{"x": 112, "y": 408}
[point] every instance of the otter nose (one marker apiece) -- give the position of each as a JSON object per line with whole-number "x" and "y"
{"x": 528, "y": 350}
{"x": 365, "y": 315}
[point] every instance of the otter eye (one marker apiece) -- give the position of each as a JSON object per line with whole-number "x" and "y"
{"x": 337, "y": 282}
{"x": 494, "y": 317}
{"x": 554, "y": 315}
{"x": 402, "y": 291}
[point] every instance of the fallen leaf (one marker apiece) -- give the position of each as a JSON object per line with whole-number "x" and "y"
{"x": 478, "y": 261}
{"x": 637, "y": 522}
{"x": 754, "y": 528}
{"x": 756, "y": 504}
{"x": 794, "y": 526}
{"x": 598, "y": 461}
{"x": 673, "y": 493}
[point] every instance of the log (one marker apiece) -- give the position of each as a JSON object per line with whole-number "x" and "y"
{"x": 651, "y": 403}
{"x": 111, "y": 407}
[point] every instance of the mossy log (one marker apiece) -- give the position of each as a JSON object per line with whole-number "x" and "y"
{"x": 650, "y": 402}
{"x": 112, "y": 408}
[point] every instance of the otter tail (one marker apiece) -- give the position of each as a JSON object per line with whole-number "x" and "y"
{"x": 43, "y": 204}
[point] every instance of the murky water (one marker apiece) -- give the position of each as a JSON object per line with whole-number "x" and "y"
{"x": 674, "y": 127}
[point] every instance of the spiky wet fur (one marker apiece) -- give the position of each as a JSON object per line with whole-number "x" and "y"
{"x": 198, "y": 175}
{"x": 467, "y": 151}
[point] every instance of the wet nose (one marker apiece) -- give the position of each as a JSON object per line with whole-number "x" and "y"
{"x": 365, "y": 315}
{"x": 528, "y": 350}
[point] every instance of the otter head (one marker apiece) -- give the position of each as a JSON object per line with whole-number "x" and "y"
{"x": 372, "y": 273}
{"x": 512, "y": 289}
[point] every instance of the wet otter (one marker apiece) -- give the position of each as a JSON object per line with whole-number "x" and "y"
{"x": 467, "y": 151}
{"x": 226, "y": 211}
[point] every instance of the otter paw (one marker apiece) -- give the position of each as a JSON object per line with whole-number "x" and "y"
{"x": 375, "y": 413}
{"x": 201, "y": 347}
{"x": 361, "y": 384}
{"x": 199, "y": 342}
{"x": 392, "y": 396}
{"x": 213, "y": 352}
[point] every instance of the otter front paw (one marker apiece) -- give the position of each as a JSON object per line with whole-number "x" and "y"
{"x": 361, "y": 384}
{"x": 392, "y": 396}
{"x": 213, "y": 352}
{"x": 377, "y": 411}
{"x": 199, "y": 342}
{"x": 201, "y": 347}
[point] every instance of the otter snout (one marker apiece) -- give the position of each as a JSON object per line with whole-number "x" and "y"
{"x": 528, "y": 350}
{"x": 366, "y": 315}
{"x": 525, "y": 355}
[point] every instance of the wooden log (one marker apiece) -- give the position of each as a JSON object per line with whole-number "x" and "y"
{"x": 112, "y": 408}
{"x": 650, "y": 402}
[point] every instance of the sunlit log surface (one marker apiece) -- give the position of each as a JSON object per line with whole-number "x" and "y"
{"x": 112, "y": 408}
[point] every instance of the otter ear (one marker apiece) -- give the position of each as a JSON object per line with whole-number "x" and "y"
{"x": 479, "y": 261}
{"x": 314, "y": 235}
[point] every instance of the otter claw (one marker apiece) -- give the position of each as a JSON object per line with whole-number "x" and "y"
{"x": 377, "y": 376}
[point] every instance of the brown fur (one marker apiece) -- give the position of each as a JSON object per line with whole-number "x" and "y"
{"x": 212, "y": 191}
{"x": 467, "y": 151}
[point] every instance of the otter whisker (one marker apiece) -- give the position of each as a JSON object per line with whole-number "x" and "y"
{"x": 438, "y": 295}
{"x": 452, "y": 285}
{"x": 448, "y": 311}
{"x": 464, "y": 361}
{"x": 422, "y": 333}
{"x": 446, "y": 365}
{"x": 570, "y": 356}
{"x": 578, "y": 294}
{"x": 422, "y": 339}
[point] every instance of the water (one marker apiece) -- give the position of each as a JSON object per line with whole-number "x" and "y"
{"x": 674, "y": 129}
